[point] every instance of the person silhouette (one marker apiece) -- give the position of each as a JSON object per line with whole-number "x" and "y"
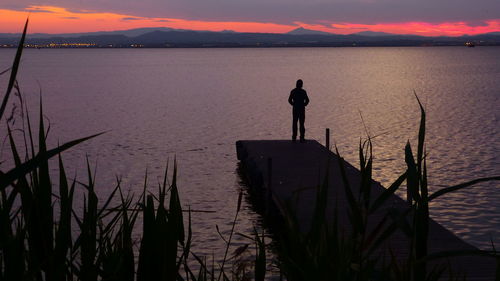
{"x": 299, "y": 100}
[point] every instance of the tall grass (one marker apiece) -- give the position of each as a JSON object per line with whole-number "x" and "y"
{"x": 326, "y": 252}
{"x": 43, "y": 237}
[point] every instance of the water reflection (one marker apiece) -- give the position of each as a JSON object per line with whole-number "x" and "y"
{"x": 193, "y": 104}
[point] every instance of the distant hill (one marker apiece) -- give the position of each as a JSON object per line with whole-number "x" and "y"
{"x": 10, "y": 35}
{"x": 167, "y": 37}
{"x": 303, "y": 31}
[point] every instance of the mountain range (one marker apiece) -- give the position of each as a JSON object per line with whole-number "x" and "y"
{"x": 168, "y": 37}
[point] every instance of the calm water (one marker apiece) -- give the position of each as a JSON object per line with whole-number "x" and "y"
{"x": 193, "y": 104}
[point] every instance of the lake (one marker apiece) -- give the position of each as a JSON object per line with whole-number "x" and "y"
{"x": 192, "y": 105}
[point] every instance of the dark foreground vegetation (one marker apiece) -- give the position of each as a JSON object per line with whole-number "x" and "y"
{"x": 44, "y": 237}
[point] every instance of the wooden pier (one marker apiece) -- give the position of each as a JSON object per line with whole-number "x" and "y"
{"x": 286, "y": 171}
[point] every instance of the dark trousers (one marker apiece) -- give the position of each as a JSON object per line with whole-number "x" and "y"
{"x": 299, "y": 114}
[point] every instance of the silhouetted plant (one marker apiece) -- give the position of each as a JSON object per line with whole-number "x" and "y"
{"x": 325, "y": 252}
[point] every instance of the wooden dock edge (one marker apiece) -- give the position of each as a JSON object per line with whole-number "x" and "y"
{"x": 255, "y": 178}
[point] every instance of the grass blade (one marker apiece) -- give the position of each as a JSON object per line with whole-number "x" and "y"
{"x": 387, "y": 193}
{"x": 412, "y": 174}
{"x": 421, "y": 136}
{"x": 446, "y": 190}
{"x": 33, "y": 163}
{"x": 15, "y": 67}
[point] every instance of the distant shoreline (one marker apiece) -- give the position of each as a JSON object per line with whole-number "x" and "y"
{"x": 235, "y": 46}
{"x": 151, "y": 38}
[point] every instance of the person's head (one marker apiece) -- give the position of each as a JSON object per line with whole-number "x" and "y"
{"x": 299, "y": 83}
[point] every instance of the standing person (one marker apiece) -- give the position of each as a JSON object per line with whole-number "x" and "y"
{"x": 299, "y": 100}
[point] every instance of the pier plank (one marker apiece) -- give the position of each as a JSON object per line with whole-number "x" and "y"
{"x": 298, "y": 168}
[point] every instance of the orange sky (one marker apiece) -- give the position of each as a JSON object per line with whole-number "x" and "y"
{"x": 48, "y": 19}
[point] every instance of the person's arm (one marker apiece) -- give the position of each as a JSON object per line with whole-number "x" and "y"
{"x": 306, "y": 99}
{"x": 290, "y": 98}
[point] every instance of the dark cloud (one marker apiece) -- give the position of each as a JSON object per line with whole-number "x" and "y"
{"x": 82, "y": 11}
{"x": 289, "y": 11}
{"x": 38, "y": 10}
{"x": 15, "y": 5}
{"x": 477, "y": 23}
{"x": 71, "y": 18}
{"x": 131, "y": 18}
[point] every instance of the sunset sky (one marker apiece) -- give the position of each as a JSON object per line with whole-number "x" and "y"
{"x": 423, "y": 17}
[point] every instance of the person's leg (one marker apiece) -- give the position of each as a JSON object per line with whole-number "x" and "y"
{"x": 294, "y": 124}
{"x": 302, "y": 119}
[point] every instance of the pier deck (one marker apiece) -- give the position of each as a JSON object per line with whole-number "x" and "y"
{"x": 298, "y": 168}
